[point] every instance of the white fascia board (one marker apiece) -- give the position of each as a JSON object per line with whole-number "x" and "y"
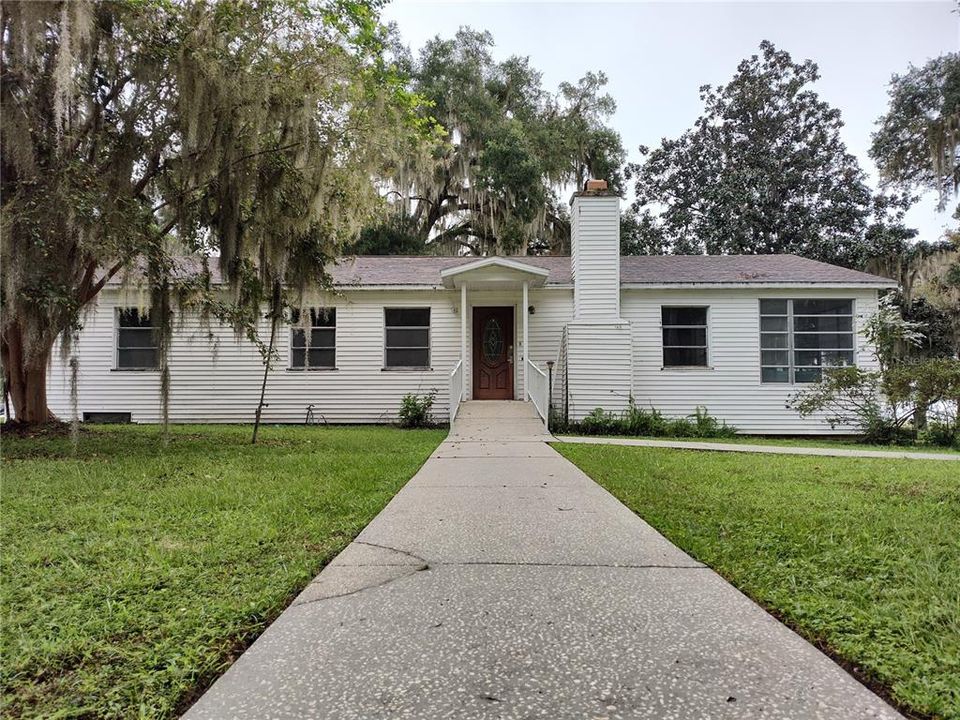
{"x": 767, "y": 285}
{"x": 347, "y": 287}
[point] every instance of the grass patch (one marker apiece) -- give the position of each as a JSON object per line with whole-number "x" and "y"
{"x": 861, "y": 556}
{"x": 811, "y": 442}
{"x": 133, "y": 574}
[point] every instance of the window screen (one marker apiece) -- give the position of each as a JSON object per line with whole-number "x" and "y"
{"x": 684, "y": 336}
{"x": 136, "y": 342}
{"x": 407, "y": 337}
{"x": 314, "y": 348}
{"x": 798, "y": 338}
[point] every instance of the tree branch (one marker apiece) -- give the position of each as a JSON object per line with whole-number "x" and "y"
{"x": 107, "y": 99}
{"x": 98, "y": 286}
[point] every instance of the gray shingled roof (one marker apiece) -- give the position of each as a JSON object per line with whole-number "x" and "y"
{"x": 641, "y": 270}
{"x": 788, "y": 269}
{"x": 393, "y": 270}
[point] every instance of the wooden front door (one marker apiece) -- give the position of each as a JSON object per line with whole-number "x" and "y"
{"x": 493, "y": 353}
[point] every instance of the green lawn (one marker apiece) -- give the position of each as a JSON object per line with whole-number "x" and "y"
{"x": 836, "y": 442}
{"x": 134, "y": 574}
{"x": 861, "y": 556}
{"x": 814, "y": 442}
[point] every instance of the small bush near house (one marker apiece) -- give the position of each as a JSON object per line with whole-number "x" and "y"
{"x": 705, "y": 425}
{"x": 638, "y": 421}
{"x": 890, "y": 406}
{"x": 415, "y": 410}
{"x": 643, "y": 422}
{"x": 598, "y": 422}
{"x": 939, "y": 434}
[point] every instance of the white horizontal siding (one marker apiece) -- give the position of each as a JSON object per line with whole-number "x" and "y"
{"x": 552, "y": 311}
{"x": 599, "y": 367}
{"x": 595, "y": 257}
{"x": 216, "y": 378}
{"x": 730, "y": 389}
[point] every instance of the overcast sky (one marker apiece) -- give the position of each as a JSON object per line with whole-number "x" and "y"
{"x": 657, "y": 55}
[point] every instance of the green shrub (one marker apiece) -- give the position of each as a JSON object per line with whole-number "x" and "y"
{"x": 558, "y": 423}
{"x": 640, "y": 422}
{"x": 599, "y": 422}
{"x": 707, "y": 426}
{"x": 890, "y": 406}
{"x": 881, "y": 430}
{"x": 940, "y": 434}
{"x": 680, "y": 428}
{"x": 415, "y": 410}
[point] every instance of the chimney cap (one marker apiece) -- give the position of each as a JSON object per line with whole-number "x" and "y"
{"x": 594, "y": 188}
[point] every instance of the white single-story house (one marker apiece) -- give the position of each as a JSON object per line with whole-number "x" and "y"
{"x": 735, "y": 334}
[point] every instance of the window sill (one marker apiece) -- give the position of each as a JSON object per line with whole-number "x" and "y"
{"x": 132, "y": 369}
{"x": 406, "y": 369}
{"x": 687, "y": 368}
{"x": 312, "y": 369}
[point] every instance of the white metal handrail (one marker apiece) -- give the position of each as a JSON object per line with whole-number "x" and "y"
{"x": 538, "y": 389}
{"x": 456, "y": 389}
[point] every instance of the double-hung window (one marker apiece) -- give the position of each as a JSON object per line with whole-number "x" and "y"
{"x": 798, "y": 338}
{"x": 314, "y": 347}
{"x": 136, "y": 341}
{"x": 407, "y": 337}
{"x": 684, "y": 336}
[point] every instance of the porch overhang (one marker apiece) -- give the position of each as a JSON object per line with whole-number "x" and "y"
{"x": 494, "y": 273}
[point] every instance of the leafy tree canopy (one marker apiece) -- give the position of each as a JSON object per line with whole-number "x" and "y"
{"x": 510, "y": 148}
{"x": 929, "y": 293}
{"x": 640, "y": 234}
{"x": 135, "y": 131}
{"x": 763, "y": 170}
{"x": 917, "y": 142}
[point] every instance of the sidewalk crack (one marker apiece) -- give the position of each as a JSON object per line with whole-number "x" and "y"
{"x": 396, "y": 550}
{"x": 491, "y": 563}
{"x": 413, "y": 570}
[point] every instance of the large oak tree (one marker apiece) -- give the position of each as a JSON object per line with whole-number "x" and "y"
{"x": 511, "y": 149}
{"x": 917, "y": 149}
{"x": 134, "y": 132}
{"x": 917, "y": 142}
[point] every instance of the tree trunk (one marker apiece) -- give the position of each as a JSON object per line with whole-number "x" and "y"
{"x": 25, "y": 378}
{"x": 920, "y": 417}
{"x": 274, "y": 321}
{"x": 263, "y": 385}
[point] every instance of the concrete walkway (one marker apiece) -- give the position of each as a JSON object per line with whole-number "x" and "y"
{"x": 502, "y": 582}
{"x": 770, "y": 449}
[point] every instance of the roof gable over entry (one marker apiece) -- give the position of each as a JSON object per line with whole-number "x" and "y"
{"x": 494, "y": 273}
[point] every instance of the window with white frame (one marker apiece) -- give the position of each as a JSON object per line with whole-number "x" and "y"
{"x": 684, "y": 332}
{"x": 136, "y": 340}
{"x": 314, "y": 347}
{"x": 798, "y": 338}
{"x": 406, "y": 337}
